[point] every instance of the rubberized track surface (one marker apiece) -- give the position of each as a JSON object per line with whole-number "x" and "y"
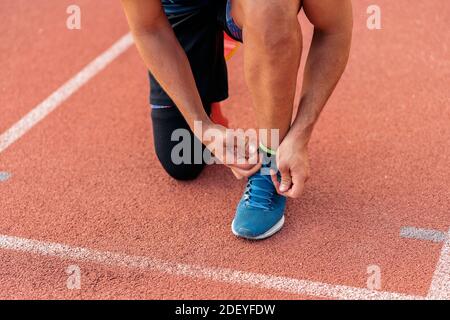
{"x": 86, "y": 176}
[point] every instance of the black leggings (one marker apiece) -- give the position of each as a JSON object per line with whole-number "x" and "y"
{"x": 165, "y": 121}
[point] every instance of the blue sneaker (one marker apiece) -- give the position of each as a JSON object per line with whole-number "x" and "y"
{"x": 260, "y": 213}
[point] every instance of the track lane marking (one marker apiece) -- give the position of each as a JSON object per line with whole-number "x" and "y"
{"x": 422, "y": 234}
{"x": 53, "y": 101}
{"x": 4, "y": 176}
{"x": 222, "y": 275}
{"x": 440, "y": 284}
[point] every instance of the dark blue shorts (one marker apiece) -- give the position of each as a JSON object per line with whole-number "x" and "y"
{"x": 200, "y": 32}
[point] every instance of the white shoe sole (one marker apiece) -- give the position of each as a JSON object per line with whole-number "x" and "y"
{"x": 266, "y": 234}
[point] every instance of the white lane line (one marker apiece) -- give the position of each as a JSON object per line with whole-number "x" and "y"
{"x": 4, "y": 176}
{"x": 440, "y": 285}
{"x": 64, "y": 92}
{"x": 422, "y": 234}
{"x": 284, "y": 284}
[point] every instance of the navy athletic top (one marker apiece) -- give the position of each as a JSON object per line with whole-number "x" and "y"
{"x": 182, "y": 6}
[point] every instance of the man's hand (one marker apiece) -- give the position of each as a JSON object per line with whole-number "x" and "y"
{"x": 243, "y": 160}
{"x": 327, "y": 58}
{"x": 293, "y": 164}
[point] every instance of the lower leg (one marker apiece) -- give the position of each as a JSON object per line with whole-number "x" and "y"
{"x": 273, "y": 45}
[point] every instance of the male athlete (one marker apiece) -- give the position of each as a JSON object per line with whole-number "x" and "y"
{"x": 181, "y": 43}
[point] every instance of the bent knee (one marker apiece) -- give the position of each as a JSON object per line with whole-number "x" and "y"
{"x": 183, "y": 172}
{"x": 270, "y": 13}
{"x": 274, "y": 21}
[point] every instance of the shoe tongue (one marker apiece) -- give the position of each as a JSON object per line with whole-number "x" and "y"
{"x": 269, "y": 164}
{"x": 263, "y": 181}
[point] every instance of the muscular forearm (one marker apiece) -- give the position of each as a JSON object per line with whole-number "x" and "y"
{"x": 167, "y": 61}
{"x": 326, "y": 62}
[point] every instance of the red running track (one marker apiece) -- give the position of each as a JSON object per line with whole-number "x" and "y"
{"x": 87, "y": 176}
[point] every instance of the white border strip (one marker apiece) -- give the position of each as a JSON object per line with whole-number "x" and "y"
{"x": 283, "y": 284}
{"x": 64, "y": 92}
{"x": 422, "y": 234}
{"x": 4, "y": 176}
{"x": 440, "y": 285}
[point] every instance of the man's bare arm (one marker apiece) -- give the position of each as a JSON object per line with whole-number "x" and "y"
{"x": 327, "y": 59}
{"x": 164, "y": 56}
{"x": 166, "y": 59}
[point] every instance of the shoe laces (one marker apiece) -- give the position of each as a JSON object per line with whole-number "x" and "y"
{"x": 259, "y": 192}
